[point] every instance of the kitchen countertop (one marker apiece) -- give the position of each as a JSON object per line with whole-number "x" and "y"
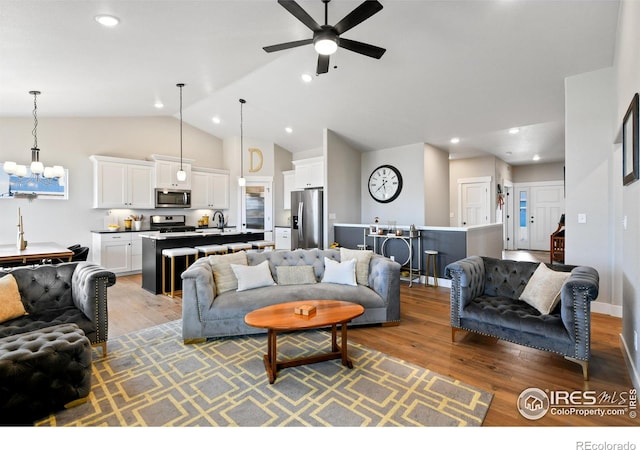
{"x": 121, "y": 230}
{"x": 198, "y": 233}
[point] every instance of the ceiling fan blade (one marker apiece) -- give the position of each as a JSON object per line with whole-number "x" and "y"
{"x": 286, "y": 45}
{"x": 358, "y": 15}
{"x": 300, "y": 14}
{"x": 362, "y": 48}
{"x": 323, "y": 64}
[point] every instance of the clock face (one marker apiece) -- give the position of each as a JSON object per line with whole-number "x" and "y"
{"x": 385, "y": 184}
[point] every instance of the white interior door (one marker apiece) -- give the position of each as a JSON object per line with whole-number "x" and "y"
{"x": 547, "y": 205}
{"x": 539, "y": 209}
{"x": 474, "y": 203}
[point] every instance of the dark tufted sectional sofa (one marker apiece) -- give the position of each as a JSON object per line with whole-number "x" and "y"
{"x": 45, "y": 356}
{"x": 484, "y": 299}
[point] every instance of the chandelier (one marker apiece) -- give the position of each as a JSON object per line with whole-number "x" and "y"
{"x": 39, "y": 173}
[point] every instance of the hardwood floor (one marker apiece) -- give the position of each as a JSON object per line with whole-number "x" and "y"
{"x": 424, "y": 338}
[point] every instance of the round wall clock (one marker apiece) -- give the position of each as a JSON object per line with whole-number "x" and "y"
{"x": 385, "y": 183}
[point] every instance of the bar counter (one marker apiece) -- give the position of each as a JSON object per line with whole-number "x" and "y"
{"x": 451, "y": 243}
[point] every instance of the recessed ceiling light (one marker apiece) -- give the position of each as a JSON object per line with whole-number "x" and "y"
{"x": 306, "y": 78}
{"x": 289, "y": 130}
{"x": 158, "y": 105}
{"x": 455, "y": 140}
{"x": 216, "y": 120}
{"x": 536, "y": 157}
{"x": 514, "y": 131}
{"x": 107, "y": 20}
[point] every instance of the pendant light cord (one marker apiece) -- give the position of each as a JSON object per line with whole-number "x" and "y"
{"x": 180, "y": 85}
{"x": 242, "y": 102}
{"x": 35, "y": 119}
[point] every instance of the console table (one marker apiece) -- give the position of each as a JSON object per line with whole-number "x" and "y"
{"x": 411, "y": 241}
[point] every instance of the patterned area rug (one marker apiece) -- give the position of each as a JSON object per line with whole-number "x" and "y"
{"x": 150, "y": 378}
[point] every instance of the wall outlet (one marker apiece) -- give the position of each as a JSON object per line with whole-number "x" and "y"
{"x": 332, "y": 216}
{"x": 582, "y": 218}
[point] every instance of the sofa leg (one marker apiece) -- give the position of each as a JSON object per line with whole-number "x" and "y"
{"x": 103, "y": 346}
{"x": 453, "y": 333}
{"x": 194, "y": 341}
{"x": 584, "y": 364}
{"x": 76, "y": 402}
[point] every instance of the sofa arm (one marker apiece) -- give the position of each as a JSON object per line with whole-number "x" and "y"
{"x": 580, "y": 289}
{"x": 467, "y": 282}
{"x": 198, "y": 293}
{"x": 89, "y": 285}
{"x": 384, "y": 278}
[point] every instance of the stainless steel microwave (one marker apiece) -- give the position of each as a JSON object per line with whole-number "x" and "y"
{"x": 171, "y": 198}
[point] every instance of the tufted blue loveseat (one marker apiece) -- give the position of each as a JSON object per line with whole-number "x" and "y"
{"x": 485, "y": 299}
{"x": 206, "y": 315}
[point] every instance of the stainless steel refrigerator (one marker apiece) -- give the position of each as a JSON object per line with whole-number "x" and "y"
{"x": 306, "y": 220}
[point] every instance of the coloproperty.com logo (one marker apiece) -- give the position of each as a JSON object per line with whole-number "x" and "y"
{"x": 535, "y": 403}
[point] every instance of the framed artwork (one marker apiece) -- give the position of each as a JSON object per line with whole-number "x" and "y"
{"x": 630, "y": 143}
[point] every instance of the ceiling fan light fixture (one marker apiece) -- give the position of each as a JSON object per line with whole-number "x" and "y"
{"x": 326, "y": 43}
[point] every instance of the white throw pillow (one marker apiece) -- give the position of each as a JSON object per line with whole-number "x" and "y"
{"x": 362, "y": 265}
{"x": 543, "y": 289}
{"x": 251, "y": 277}
{"x": 340, "y": 272}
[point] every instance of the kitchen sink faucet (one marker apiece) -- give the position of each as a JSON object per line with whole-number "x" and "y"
{"x": 220, "y": 218}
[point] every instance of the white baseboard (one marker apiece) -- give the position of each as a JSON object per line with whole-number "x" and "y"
{"x": 632, "y": 369}
{"x": 606, "y": 308}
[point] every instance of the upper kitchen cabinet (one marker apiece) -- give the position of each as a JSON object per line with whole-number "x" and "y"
{"x": 209, "y": 188}
{"x": 122, "y": 183}
{"x": 309, "y": 173}
{"x": 167, "y": 168}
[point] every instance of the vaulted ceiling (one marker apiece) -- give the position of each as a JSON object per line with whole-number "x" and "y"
{"x": 466, "y": 69}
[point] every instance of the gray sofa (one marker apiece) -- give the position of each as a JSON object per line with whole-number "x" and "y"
{"x": 485, "y": 296}
{"x": 207, "y": 315}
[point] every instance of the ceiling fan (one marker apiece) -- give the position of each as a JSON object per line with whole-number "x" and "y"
{"x": 326, "y": 38}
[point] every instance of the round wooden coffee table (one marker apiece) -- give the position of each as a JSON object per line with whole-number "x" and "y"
{"x": 282, "y": 317}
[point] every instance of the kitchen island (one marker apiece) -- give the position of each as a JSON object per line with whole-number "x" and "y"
{"x": 154, "y": 242}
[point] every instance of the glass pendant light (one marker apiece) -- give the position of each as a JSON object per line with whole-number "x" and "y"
{"x": 242, "y": 180}
{"x": 181, "y": 175}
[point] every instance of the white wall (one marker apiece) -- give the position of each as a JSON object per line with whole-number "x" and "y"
{"x": 408, "y": 208}
{"x": 436, "y": 182}
{"x": 342, "y": 183}
{"x": 627, "y": 263}
{"x": 589, "y": 106}
{"x": 70, "y": 142}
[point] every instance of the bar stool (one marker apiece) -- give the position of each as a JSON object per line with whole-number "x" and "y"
{"x": 173, "y": 253}
{"x": 238, "y": 246}
{"x": 431, "y": 260}
{"x": 262, "y": 245}
{"x": 215, "y": 249}
{"x": 362, "y": 246}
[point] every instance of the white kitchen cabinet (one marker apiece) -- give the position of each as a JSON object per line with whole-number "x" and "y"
{"x": 309, "y": 173}
{"x": 122, "y": 183}
{"x": 209, "y": 189}
{"x": 120, "y": 253}
{"x": 289, "y": 177}
{"x": 283, "y": 238}
{"x": 167, "y": 169}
